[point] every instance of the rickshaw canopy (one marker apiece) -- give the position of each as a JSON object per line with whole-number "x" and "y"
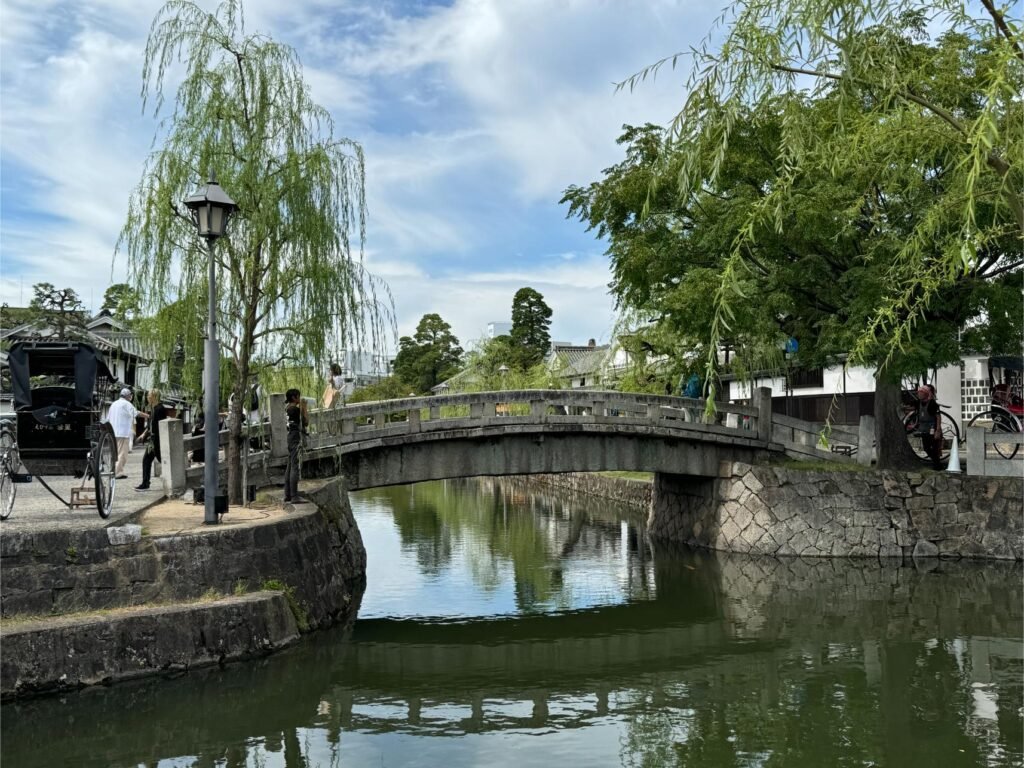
{"x": 1007, "y": 363}
{"x": 56, "y": 358}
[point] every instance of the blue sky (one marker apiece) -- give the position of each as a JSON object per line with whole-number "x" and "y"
{"x": 474, "y": 115}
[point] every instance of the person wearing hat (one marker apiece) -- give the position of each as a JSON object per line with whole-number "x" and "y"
{"x": 121, "y": 418}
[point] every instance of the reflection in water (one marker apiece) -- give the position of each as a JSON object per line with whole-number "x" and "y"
{"x": 505, "y": 627}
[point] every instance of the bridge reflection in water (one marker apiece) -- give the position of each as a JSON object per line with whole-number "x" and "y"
{"x": 710, "y": 659}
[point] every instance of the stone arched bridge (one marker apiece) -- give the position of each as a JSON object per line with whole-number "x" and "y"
{"x": 415, "y": 439}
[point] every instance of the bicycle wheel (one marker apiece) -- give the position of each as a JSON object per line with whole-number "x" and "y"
{"x": 950, "y": 432}
{"x": 103, "y": 463}
{"x": 8, "y": 466}
{"x": 1003, "y": 422}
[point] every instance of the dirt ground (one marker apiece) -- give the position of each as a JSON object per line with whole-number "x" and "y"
{"x": 174, "y": 516}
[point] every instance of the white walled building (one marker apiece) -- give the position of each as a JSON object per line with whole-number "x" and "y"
{"x": 963, "y": 391}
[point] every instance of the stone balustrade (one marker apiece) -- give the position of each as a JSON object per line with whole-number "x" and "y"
{"x": 339, "y": 430}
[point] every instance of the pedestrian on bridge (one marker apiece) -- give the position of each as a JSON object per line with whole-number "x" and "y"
{"x": 297, "y": 416}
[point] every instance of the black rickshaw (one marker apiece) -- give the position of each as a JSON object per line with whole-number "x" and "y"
{"x": 60, "y": 391}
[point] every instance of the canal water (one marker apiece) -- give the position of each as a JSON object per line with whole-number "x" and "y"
{"x": 505, "y": 625}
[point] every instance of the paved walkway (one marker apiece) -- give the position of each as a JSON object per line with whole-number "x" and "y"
{"x": 35, "y": 509}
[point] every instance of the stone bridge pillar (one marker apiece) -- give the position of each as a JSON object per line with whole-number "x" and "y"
{"x": 683, "y": 509}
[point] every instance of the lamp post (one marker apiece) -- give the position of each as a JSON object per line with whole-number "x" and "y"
{"x": 211, "y": 207}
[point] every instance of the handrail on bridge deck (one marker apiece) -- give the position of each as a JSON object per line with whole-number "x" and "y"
{"x": 344, "y": 428}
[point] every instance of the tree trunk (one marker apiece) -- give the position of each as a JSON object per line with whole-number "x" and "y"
{"x": 893, "y": 447}
{"x": 234, "y": 450}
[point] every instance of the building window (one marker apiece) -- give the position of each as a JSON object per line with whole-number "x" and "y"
{"x": 802, "y": 378}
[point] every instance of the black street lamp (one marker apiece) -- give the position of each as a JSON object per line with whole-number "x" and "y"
{"x": 211, "y": 207}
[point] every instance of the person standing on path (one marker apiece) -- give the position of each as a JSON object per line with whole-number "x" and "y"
{"x": 929, "y": 424}
{"x": 158, "y": 412}
{"x": 121, "y": 418}
{"x": 298, "y": 421}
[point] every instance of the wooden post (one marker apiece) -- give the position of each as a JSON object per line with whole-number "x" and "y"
{"x": 174, "y": 460}
{"x": 976, "y": 450}
{"x": 762, "y": 400}
{"x": 278, "y": 426}
{"x": 866, "y": 439}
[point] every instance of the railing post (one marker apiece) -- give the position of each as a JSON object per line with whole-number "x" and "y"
{"x": 414, "y": 419}
{"x": 476, "y": 410}
{"x": 278, "y": 426}
{"x": 172, "y": 451}
{"x": 435, "y": 412}
{"x": 599, "y": 408}
{"x": 866, "y": 439}
{"x": 762, "y": 400}
{"x": 976, "y": 450}
{"x": 538, "y": 408}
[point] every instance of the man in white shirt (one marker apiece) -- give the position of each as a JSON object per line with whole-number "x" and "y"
{"x": 122, "y": 418}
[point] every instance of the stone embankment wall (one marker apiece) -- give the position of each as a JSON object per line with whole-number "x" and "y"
{"x": 318, "y": 556}
{"x": 635, "y": 493}
{"x": 777, "y": 511}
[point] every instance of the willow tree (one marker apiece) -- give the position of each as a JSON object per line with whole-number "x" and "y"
{"x": 907, "y": 111}
{"x": 290, "y": 278}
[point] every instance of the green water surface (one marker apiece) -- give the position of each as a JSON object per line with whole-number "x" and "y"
{"x": 509, "y": 625}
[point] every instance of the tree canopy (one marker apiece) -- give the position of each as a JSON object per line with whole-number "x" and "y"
{"x": 121, "y": 301}
{"x": 835, "y": 176}
{"x": 429, "y": 357}
{"x": 290, "y": 278}
{"x": 58, "y": 308}
{"x": 930, "y": 129}
{"x": 531, "y": 319}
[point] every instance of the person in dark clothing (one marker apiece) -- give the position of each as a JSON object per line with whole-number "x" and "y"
{"x": 929, "y": 424}
{"x": 298, "y": 421}
{"x": 158, "y": 412}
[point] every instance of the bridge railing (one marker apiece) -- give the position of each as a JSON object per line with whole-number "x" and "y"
{"x": 331, "y": 429}
{"x": 366, "y": 421}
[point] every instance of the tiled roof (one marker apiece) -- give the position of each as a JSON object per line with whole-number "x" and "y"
{"x": 580, "y": 361}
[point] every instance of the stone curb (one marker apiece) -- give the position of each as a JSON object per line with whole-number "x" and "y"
{"x": 66, "y": 653}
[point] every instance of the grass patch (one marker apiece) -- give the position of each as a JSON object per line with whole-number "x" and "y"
{"x": 210, "y": 596}
{"x": 646, "y": 477}
{"x": 300, "y": 614}
{"x": 809, "y": 465}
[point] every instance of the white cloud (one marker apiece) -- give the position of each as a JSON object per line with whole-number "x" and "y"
{"x": 577, "y": 294}
{"x": 474, "y": 116}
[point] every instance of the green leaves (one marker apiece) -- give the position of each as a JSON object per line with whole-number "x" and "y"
{"x": 431, "y": 357}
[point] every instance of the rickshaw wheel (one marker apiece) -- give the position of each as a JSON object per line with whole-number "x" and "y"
{"x": 8, "y": 466}
{"x": 104, "y": 463}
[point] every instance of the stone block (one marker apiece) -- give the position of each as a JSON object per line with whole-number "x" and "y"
{"x": 753, "y": 484}
{"x": 896, "y": 486}
{"x": 919, "y": 503}
{"x": 124, "y": 534}
{"x": 924, "y": 549}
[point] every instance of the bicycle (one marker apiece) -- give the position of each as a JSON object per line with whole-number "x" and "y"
{"x": 1006, "y": 409}
{"x": 9, "y": 465}
{"x": 950, "y": 429}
